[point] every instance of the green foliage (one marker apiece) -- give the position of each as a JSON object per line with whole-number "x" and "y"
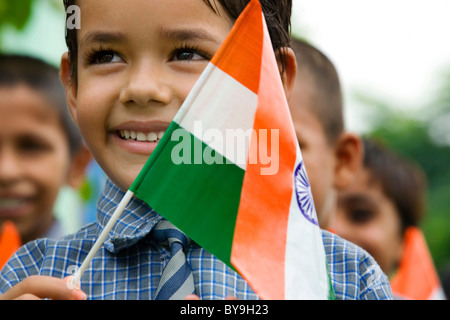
{"x": 411, "y": 136}
{"x": 15, "y": 13}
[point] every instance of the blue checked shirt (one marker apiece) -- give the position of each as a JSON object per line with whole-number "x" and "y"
{"x": 130, "y": 263}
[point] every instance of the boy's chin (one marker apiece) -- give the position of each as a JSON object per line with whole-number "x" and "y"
{"x": 125, "y": 178}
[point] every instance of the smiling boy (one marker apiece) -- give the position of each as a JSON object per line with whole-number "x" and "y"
{"x": 128, "y": 71}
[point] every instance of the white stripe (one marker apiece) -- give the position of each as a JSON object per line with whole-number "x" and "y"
{"x": 219, "y": 106}
{"x": 305, "y": 261}
{"x": 437, "y": 294}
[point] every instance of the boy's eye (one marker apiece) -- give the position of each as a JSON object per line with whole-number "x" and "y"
{"x": 361, "y": 215}
{"x": 189, "y": 54}
{"x": 33, "y": 145}
{"x": 358, "y": 210}
{"x": 103, "y": 57}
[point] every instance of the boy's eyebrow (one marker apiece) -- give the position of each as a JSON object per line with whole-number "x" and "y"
{"x": 187, "y": 34}
{"x": 172, "y": 34}
{"x": 102, "y": 37}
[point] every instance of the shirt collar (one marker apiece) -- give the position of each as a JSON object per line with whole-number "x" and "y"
{"x": 135, "y": 223}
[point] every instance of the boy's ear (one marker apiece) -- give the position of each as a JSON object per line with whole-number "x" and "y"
{"x": 69, "y": 86}
{"x": 78, "y": 167}
{"x": 349, "y": 158}
{"x": 287, "y": 55}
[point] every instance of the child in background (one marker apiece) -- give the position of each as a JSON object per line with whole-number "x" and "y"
{"x": 332, "y": 156}
{"x": 386, "y": 197}
{"x": 382, "y": 209}
{"x": 128, "y": 70}
{"x": 41, "y": 149}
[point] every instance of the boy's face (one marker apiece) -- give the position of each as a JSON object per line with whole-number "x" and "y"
{"x": 34, "y": 160}
{"x": 137, "y": 62}
{"x": 368, "y": 218}
{"x": 318, "y": 155}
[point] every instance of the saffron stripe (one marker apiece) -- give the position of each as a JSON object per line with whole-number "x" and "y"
{"x": 243, "y": 62}
{"x": 266, "y": 199}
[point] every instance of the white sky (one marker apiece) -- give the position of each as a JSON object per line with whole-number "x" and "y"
{"x": 394, "y": 49}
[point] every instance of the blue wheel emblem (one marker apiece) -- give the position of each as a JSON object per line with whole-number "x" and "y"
{"x": 304, "y": 196}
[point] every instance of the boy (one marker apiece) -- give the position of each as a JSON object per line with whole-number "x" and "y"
{"x": 332, "y": 156}
{"x": 381, "y": 212}
{"x": 41, "y": 149}
{"x": 386, "y": 198}
{"x": 126, "y": 76}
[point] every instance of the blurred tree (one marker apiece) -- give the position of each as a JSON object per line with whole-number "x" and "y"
{"x": 426, "y": 140}
{"x": 16, "y": 14}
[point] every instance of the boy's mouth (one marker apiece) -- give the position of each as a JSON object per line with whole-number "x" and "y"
{"x": 141, "y": 136}
{"x": 13, "y": 207}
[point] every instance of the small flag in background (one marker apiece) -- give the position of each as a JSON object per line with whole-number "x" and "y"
{"x": 250, "y": 206}
{"x": 416, "y": 278}
{"x": 9, "y": 241}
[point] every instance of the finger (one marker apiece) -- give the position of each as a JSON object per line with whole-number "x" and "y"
{"x": 44, "y": 287}
{"x": 28, "y": 297}
{"x": 192, "y": 297}
{"x": 70, "y": 283}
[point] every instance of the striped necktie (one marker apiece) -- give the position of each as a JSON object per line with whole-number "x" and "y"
{"x": 176, "y": 280}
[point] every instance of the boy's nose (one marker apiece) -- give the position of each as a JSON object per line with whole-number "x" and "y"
{"x": 145, "y": 86}
{"x": 10, "y": 167}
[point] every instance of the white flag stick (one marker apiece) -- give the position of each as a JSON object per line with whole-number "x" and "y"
{"x": 101, "y": 239}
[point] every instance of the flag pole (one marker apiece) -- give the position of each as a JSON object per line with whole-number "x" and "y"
{"x": 101, "y": 239}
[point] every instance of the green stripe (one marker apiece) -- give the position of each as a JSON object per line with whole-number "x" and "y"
{"x": 200, "y": 199}
{"x": 331, "y": 293}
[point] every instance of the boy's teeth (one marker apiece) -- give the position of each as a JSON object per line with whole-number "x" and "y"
{"x": 152, "y": 136}
{"x": 141, "y": 136}
{"x": 9, "y": 203}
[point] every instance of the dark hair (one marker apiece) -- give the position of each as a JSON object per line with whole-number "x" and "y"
{"x": 402, "y": 181}
{"x": 277, "y": 14}
{"x": 316, "y": 68}
{"x": 44, "y": 78}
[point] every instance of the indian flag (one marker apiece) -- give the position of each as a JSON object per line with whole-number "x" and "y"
{"x": 10, "y": 241}
{"x": 230, "y": 173}
{"x": 416, "y": 277}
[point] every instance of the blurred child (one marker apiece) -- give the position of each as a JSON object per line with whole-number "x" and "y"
{"x": 129, "y": 69}
{"x": 332, "y": 156}
{"x": 41, "y": 150}
{"x": 381, "y": 211}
